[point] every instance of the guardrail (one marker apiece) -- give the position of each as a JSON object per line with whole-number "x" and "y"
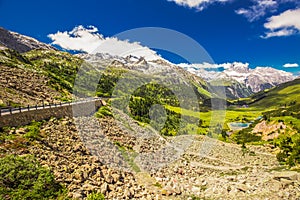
{"x": 13, "y": 110}
{"x": 13, "y": 117}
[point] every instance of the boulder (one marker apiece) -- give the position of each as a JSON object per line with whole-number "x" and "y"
{"x": 288, "y": 175}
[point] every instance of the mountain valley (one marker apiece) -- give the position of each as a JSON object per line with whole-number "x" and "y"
{"x": 161, "y": 133}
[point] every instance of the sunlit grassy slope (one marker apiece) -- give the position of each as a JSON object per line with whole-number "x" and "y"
{"x": 282, "y": 95}
{"x": 220, "y": 116}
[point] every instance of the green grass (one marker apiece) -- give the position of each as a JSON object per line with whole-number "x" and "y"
{"x": 104, "y": 111}
{"x": 204, "y": 92}
{"x": 60, "y": 67}
{"x": 288, "y": 120}
{"x": 223, "y": 82}
{"x": 246, "y": 99}
{"x": 230, "y": 115}
{"x": 275, "y": 97}
{"x": 129, "y": 156}
{"x": 2, "y": 104}
{"x": 12, "y": 58}
{"x": 33, "y": 130}
{"x": 242, "y": 114}
{"x": 95, "y": 196}
{"x": 24, "y": 178}
{"x": 215, "y": 122}
{"x": 157, "y": 184}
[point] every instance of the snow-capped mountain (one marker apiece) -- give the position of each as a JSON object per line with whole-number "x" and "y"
{"x": 20, "y": 43}
{"x": 257, "y": 79}
{"x": 238, "y": 79}
{"x": 160, "y": 66}
{"x": 159, "y": 70}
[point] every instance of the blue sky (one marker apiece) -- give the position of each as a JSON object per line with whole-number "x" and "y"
{"x": 262, "y": 33}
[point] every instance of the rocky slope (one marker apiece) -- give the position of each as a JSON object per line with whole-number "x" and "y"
{"x": 30, "y": 78}
{"x": 25, "y": 81}
{"x": 186, "y": 166}
{"x": 269, "y": 131}
{"x": 62, "y": 150}
{"x": 207, "y": 173}
{"x": 20, "y": 43}
{"x": 123, "y": 160}
{"x": 19, "y": 86}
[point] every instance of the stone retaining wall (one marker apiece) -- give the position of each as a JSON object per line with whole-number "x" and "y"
{"x": 73, "y": 110}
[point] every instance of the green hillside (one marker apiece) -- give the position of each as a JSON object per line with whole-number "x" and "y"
{"x": 36, "y": 76}
{"x": 280, "y": 124}
{"x": 60, "y": 67}
{"x": 50, "y": 76}
{"x": 283, "y": 95}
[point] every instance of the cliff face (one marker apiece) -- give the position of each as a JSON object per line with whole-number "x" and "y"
{"x": 20, "y": 43}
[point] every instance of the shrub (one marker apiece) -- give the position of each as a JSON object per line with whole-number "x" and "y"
{"x": 103, "y": 112}
{"x": 21, "y": 177}
{"x": 289, "y": 150}
{"x": 95, "y": 196}
{"x": 33, "y": 130}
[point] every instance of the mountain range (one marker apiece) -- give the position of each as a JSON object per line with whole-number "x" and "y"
{"x": 257, "y": 79}
{"x": 238, "y": 80}
{"x": 161, "y": 133}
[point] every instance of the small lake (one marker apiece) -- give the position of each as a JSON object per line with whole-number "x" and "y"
{"x": 238, "y": 125}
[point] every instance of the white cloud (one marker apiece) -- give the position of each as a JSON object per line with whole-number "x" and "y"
{"x": 296, "y": 2}
{"x": 261, "y": 8}
{"x": 279, "y": 33}
{"x": 285, "y": 24}
{"x": 201, "y": 69}
{"x": 242, "y": 11}
{"x": 90, "y": 41}
{"x": 205, "y": 65}
{"x": 210, "y": 71}
{"x": 258, "y": 9}
{"x": 291, "y": 65}
{"x": 198, "y": 4}
{"x": 234, "y": 64}
{"x": 197, "y": 66}
{"x": 80, "y": 39}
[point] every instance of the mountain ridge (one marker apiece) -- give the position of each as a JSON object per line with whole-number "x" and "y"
{"x": 239, "y": 81}
{"x": 188, "y": 165}
{"x": 21, "y": 43}
{"x": 257, "y": 79}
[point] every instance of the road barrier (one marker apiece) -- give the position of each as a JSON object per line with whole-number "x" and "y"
{"x": 24, "y": 115}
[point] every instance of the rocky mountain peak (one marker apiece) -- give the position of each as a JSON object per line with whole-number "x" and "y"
{"x": 257, "y": 79}
{"x": 20, "y": 43}
{"x": 239, "y": 67}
